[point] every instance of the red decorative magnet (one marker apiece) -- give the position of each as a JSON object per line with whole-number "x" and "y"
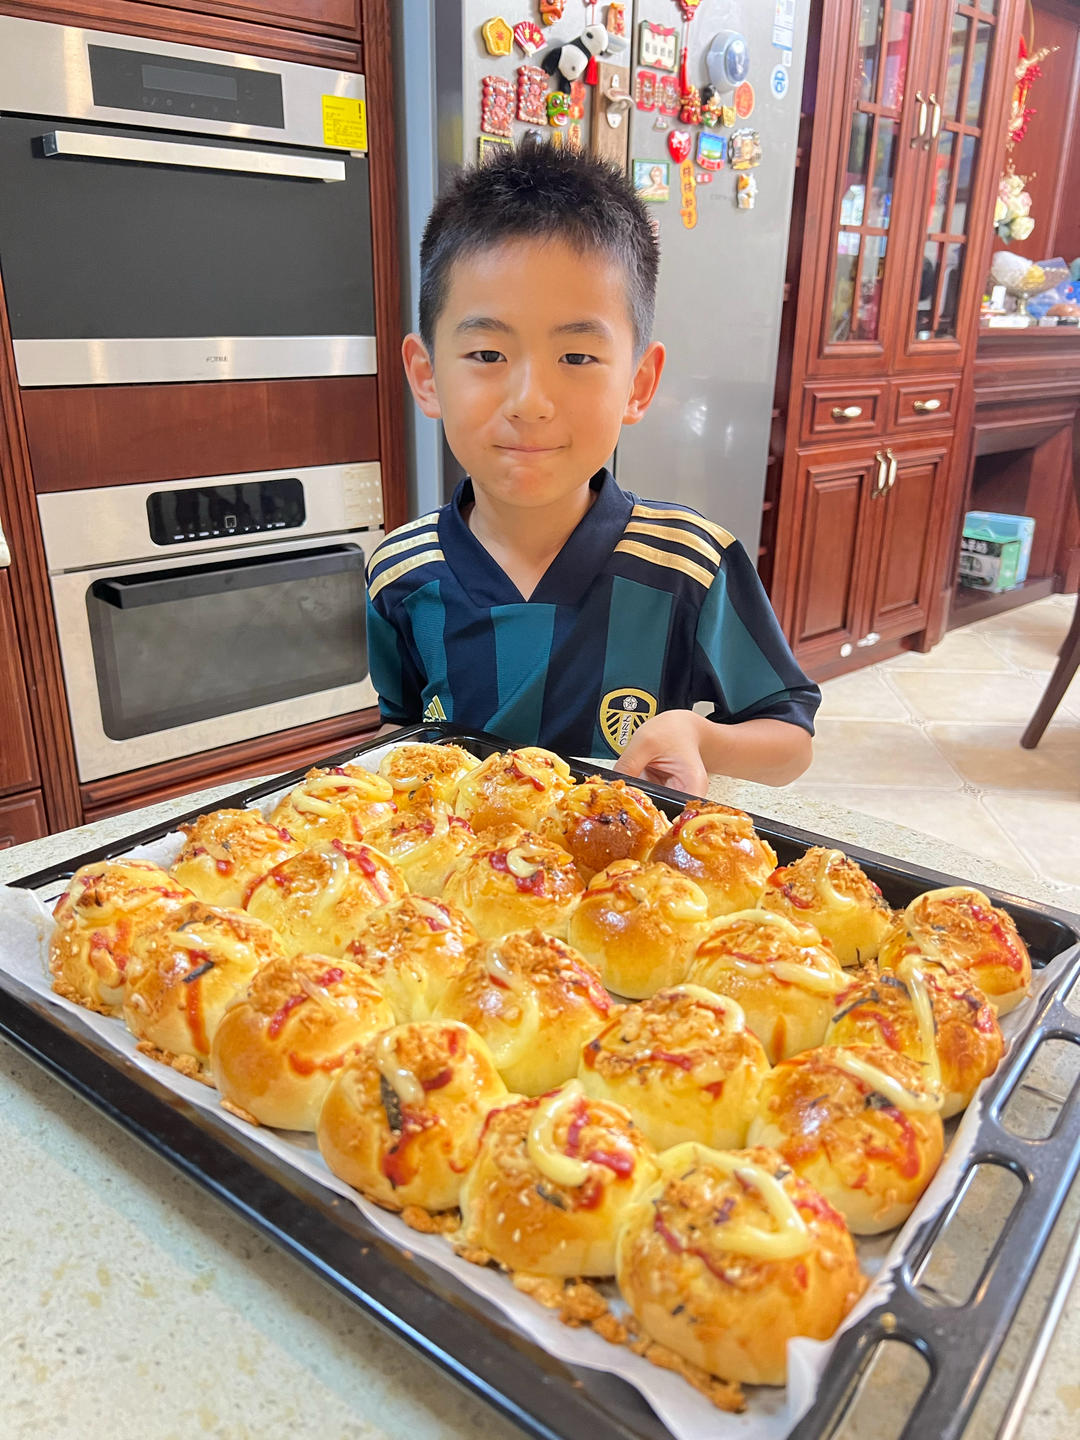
{"x": 690, "y": 106}
{"x": 615, "y": 19}
{"x": 551, "y": 10}
{"x": 577, "y": 99}
{"x": 679, "y": 142}
{"x": 529, "y": 36}
{"x": 645, "y": 90}
{"x": 532, "y": 91}
{"x": 497, "y": 109}
{"x": 688, "y": 8}
{"x": 667, "y": 96}
{"x": 744, "y": 100}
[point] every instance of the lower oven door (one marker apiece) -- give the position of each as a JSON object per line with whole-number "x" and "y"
{"x": 187, "y": 655}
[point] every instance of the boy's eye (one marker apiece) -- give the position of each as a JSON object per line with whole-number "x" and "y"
{"x": 575, "y": 357}
{"x": 487, "y": 357}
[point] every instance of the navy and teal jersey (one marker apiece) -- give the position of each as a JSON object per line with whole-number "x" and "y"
{"x": 647, "y": 607}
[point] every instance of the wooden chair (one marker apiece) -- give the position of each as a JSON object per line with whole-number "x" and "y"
{"x": 1067, "y": 666}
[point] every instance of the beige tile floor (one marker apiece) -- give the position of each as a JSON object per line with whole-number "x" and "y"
{"x": 933, "y": 742}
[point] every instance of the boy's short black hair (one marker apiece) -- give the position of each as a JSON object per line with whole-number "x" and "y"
{"x": 532, "y": 190}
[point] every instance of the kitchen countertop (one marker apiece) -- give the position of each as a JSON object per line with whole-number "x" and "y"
{"x": 134, "y": 1305}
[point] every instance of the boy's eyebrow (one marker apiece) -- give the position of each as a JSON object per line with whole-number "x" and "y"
{"x": 482, "y": 322}
{"x": 595, "y": 328}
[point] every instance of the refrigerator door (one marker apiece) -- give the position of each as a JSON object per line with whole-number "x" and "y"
{"x": 705, "y": 440}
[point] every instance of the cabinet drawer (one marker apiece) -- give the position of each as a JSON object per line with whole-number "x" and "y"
{"x": 923, "y": 404}
{"x": 834, "y": 412}
{"x": 22, "y": 818}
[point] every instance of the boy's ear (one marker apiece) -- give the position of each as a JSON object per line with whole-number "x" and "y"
{"x": 643, "y": 387}
{"x": 421, "y": 375}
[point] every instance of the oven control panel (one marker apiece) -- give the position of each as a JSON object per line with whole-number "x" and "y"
{"x": 211, "y": 512}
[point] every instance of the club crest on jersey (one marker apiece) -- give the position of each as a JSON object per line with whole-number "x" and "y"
{"x": 622, "y": 712}
{"x": 434, "y": 709}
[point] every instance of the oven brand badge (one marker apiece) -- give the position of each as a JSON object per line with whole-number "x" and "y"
{"x": 622, "y": 712}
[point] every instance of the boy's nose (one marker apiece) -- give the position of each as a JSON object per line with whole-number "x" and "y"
{"x": 529, "y": 399}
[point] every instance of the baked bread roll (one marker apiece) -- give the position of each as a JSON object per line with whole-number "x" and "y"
{"x": 639, "y": 925}
{"x": 601, "y": 821}
{"x": 106, "y": 909}
{"x": 534, "y": 1001}
{"x": 517, "y": 882}
{"x": 278, "y": 1047}
{"x": 402, "y": 1118}
{"x": 424, "y": 842}
{"x": 729, "y": 1255}
{"x": 778, "y": 970}
{"x": 226, "y": 851}
{"x": 515, "y": 788}
{"x": 316, "y": 899}
{"x": 336, "y": 804}
{"x": 683, "y": 1063}
{"x": 939, "y": 1019}
{"x": 438, "y": 768}
{"x": 187, "y": 971}
{"x": 718, "y": 848}
{"x": 412, "y": 949}
{"x": 837, "y": 897}
{"x": 958, "y": 928}
{"x": 550, "y": 1182}
{"x": 863, "y": 1125}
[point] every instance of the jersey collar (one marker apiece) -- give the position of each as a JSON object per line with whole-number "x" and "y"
{"x": 586, "y": 552}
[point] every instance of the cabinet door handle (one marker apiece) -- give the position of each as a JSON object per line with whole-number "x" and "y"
{"x": 893, "y": 468}
{"x": 846, "y": 412}
{"x": 925, "y": 407}
{"x": 935, "y": 123}
{"x": 871, "y": 639}
{"x": 879, "y": 478}
{"x": 921, "y": 130}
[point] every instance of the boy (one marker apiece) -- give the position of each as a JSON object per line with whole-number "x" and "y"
{"x": 543, "y": 603}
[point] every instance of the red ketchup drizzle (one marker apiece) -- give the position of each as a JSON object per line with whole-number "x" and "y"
{"x": 1012, "y": 958}
{"x": 395, "y": 1163}
{"x": 193, "y": 1004}
{"x": 796, "y": 900}
{"x": 676, "y": 1246}
{"x": 908, "y": 1164}
{"x": 887, "y": 1028}
{"x": 598, "y": 996}
{"x": 801, "y": 1277}
{"x": 669, "y": 1057}
{"x": 224, "y": 867}
{"x": 277, "y": 1020}
{"x": 985, "y": 1022}
{"x": 715, "y": 1088}
{"x": 438, "y": 1081}
{"x": 302, "y": 1065}
{"x": 519, "y": 774}
{"x": 529, "y": 884}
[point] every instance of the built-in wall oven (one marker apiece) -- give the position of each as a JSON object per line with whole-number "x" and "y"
{"x": 200, "y": 612}
{"x": 172, "y": 213}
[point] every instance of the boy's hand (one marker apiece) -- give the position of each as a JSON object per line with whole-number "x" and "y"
{"x": 666, "y": 750}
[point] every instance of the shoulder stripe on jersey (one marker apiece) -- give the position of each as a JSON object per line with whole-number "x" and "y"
{"x": 396, "y": 547}
{"x": 681, "y": 537}
{"x": 723, "y": 537}
{"x": 395, "y": 572}
{"x": 665, "y": 557}
{"x": 431, "y": 518}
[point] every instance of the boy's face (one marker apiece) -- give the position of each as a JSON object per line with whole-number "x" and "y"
{"x": 533, "y": 373}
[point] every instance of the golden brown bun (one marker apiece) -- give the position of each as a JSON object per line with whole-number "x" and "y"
{"x": 601, "y": 821}
{"x": 412, "y": 949}
{"x": 550, "y": 1182}
{"x": 719, "y": 849}
{"x": 515, "y": 788}
{"x": 188, "y": 970}
{"x": 685, "y": 1271}
{"x": 958, "y": 928}
{"x": 837, "y": 897}
{"x": 413, "y": 768}
{"x": 870, "y": 1157}
{"x": 683, "y": 1063}
{"x": 402, "y": 1119}
{"x": 227, "y": 851}
{"x": 278, "y": 1047}
{"x": 534, "y": 1001}
{"x": 778, "y": 970}
{"x": 424, "y": 842}
{"x": 316, "y": 900}
{"x": 337, "y": 804}
{"x": 638, "y": 924}
{"x": 879, "y": 1009}
{"x": 516, "y": 882}
{"x": 106, "y": 909}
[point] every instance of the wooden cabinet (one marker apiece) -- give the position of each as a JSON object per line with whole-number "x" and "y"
{"x": 321, "y": 17}
{"x": 22, "y": 818}
{"x": 18, "y": 763}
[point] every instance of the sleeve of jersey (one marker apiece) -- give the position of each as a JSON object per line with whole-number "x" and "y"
{"x": 743, "y": 663}
{"x": 393, "y": 671}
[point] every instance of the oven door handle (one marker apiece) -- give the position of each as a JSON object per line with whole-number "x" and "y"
{"x": 185, "y": 583}
{"x": 88, "y": 146}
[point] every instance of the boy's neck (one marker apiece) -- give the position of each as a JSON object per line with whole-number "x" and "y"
{"x": 524, "y": 541}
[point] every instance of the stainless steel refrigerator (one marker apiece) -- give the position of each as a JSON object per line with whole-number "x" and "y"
{"x": 705, "y": 440}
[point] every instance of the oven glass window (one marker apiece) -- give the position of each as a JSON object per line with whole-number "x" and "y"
{"x": 179, "y": 646}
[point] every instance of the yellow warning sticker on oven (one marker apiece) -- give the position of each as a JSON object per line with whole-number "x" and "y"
{"x": 344, "y": 122}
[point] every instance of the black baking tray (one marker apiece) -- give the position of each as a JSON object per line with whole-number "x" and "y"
{"x": 467, "y": 1339}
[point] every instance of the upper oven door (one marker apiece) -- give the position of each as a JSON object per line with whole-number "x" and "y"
{"x": 135, "y": 255}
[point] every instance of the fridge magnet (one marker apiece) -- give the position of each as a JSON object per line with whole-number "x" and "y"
{"x": 712, "y": 109}
{"x": 577, "y": 99}
{"x": 528, "y": 36}
{"x": 779, "y": 81}
{"x": 711, "y": 151}
{"x": 532, "y": 94}
{"x": 688, "y": 8}
{"x": 744, "y": 100}
{"x": 658, "y": 46}
{"x": 558, "y": 108}
{"x": 661, "y": 123}
{"x": 498, "y": 37}
{"x": 615, "y": 20}
{"x": 497, "y": 108}
{"x": 667, "y": 96}
{"x": 679, "y": 143}
{"x": 745, "y": 191}
{"x": 551, "y": 10}
{"x": 704, "y": 177}
{"x": 575, "y": 136}
{"x": 688, "y": 195}
{"x": 645, "y": 90}
{"x": 690, "y": 106}
{"x": 489, "y": 145}
{"x": 727, "y": 115}
{"x": 744, "y": 150}
{"x": 652, "y": 179}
